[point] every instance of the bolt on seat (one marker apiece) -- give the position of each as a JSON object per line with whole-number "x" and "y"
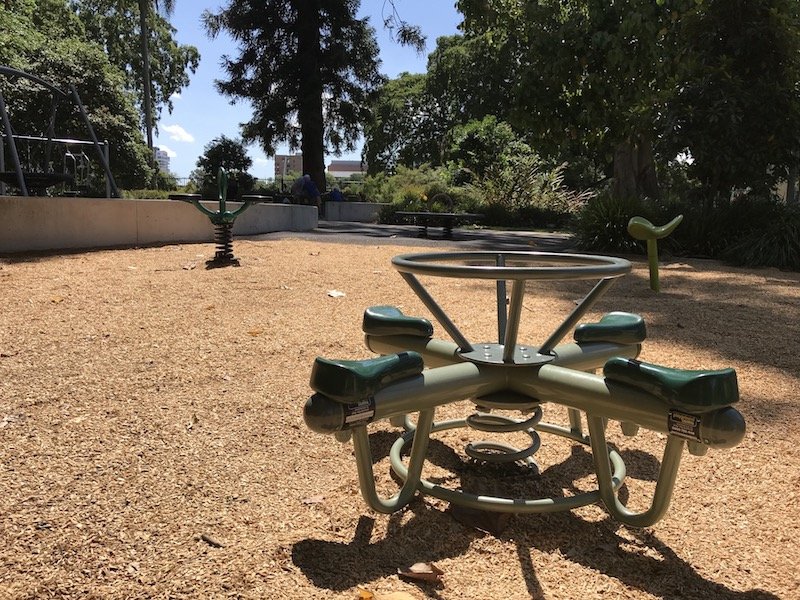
{"x": 616, "y": 327}
{"x": 690, "y": 391}
{"x": 349, "y": 381}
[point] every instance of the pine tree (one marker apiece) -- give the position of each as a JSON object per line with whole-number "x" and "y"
{"x": 307, "y": 68}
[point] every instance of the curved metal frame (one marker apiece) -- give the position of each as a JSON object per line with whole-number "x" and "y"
{"x": 57, "y": 94}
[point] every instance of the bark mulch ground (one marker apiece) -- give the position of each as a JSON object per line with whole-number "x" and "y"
{"x": 152, "y": 443}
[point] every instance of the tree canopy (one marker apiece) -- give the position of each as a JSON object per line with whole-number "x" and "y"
{"x": 306, "y": 67}
{"x": 45, "y": 38}
{"x": 115, "y": 26}
{"x": 230, "y": 154}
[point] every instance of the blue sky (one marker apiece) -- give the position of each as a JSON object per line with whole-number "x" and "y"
{"x": 200, "y": 114}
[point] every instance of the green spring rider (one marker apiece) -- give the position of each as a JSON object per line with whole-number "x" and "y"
{"x": 221, "y": 219}
{"x": 641, "y": 229}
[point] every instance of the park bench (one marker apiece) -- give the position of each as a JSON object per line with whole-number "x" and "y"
{"x": 446, "y": 220}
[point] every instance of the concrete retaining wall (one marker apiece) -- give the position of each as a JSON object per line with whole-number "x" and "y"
{"x": 35, "y": 224}
{"x": 359, "y": 212}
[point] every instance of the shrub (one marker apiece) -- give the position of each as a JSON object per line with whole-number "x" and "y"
{"x": 522, "y": 190}
{"x": 777, "y": 244}
{"x": 603, "y": 224}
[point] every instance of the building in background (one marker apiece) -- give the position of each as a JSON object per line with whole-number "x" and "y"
{"x": 162, "y": 159}
{"x": 288, "y": 163}
{"x": 342, "y": 169}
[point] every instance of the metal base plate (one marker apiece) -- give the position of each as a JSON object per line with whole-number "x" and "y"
{"x": 492, "y": 354}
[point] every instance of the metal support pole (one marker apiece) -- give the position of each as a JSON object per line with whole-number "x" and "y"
{"x": 13, "y": 147}
{"x": 437, "y": 312}
{"x": 572, "y": 320}
{"x": 502, "y": 314}
{"x": 100, "y": 153}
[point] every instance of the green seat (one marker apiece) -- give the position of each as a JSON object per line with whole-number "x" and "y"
{"x": 389, "y": 320}
{"x": 690, "y": 391}
{"x": 615, "y": 327}
{"x": 350, "y": 381}
{"x": 642, "y": 229}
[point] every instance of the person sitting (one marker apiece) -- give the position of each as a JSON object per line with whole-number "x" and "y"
{"x": 336, "y": 195}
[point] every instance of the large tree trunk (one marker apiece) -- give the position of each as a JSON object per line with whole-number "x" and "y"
{"x": 309, "y": 113}
{"x": 634, "y": 169}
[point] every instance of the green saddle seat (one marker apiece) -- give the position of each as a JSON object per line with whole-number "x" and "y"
{"x": 389, "y": 320}
{"x": 616, "y": 327}
{"x": 642, "y": 229}
{"x": 350, "y": 381}
{"x": 690, "y": 391}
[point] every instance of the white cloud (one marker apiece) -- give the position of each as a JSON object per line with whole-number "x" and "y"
{"x": 170, "y": 152}
{"x": 178, "y": 133}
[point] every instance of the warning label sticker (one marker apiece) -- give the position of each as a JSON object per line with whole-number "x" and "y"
{"x": 360, "y": 411}
{"x": 684, "y": 425}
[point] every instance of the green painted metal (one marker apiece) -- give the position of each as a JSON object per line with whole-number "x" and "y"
{"x": 642, "y": 229}
{"x": 617, "y": 327}
{"x": 457, "y": 370}
{"x": 222, "y": 219}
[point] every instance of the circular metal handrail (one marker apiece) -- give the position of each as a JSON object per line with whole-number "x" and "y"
{"x": 514, "y": 266}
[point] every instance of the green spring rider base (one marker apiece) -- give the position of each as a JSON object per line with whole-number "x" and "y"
{"x": 417, "y": 373}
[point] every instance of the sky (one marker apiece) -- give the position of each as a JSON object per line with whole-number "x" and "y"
{"x": 201, "y": 114}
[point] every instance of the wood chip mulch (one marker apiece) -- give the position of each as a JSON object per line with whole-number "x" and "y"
{"x": 152, "y": 443}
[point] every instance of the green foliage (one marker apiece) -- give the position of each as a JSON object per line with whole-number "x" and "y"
{"x": 777, "y": 244}
{"x": 478, "y": 146}
{"x": 115, "y": 26}
{"x": 736, "y": 105}
{"x": 145, "y": 194}
{"x": 401, "y": 129}
{"x": 603, "y": 224}
{"x": 521, "y": 188}
{"x": 232, "y": 155}
{"x": 44, "y": 38}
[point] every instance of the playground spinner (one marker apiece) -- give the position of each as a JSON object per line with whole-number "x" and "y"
{"x": 417, "y": 373}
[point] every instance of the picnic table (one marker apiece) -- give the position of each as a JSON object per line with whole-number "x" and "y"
{"x": 445, "y": 220}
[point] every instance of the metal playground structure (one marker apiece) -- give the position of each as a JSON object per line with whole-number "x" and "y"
{"x": 37, "y": 173}
{"x": 417, "y": 373}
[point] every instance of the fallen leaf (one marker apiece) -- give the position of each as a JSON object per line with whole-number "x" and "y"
{"x": 255, "y": 332}
{"x": 336, "y": 294}
{"x": 314, "y": 499}
{"x": 189, "y": 266}
{"x": 56, "y": 299}
{"x": 210, "y": 541}
{"x": 422, "y": 571}
{"x": 210, "y": 307}
{"x": 193, "y": 421}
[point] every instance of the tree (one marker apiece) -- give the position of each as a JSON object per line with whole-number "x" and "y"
{"x": 307, "y": 68}
{"x": 414, "y": 116}
{"x": 736, "y": 110}
{"x": 399, "y": 129}
{"x": 124, "y": 28}
{"x": 232, "y": 155}
{"x": 589, "y": 77}
{"x": 45, "y": 38}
